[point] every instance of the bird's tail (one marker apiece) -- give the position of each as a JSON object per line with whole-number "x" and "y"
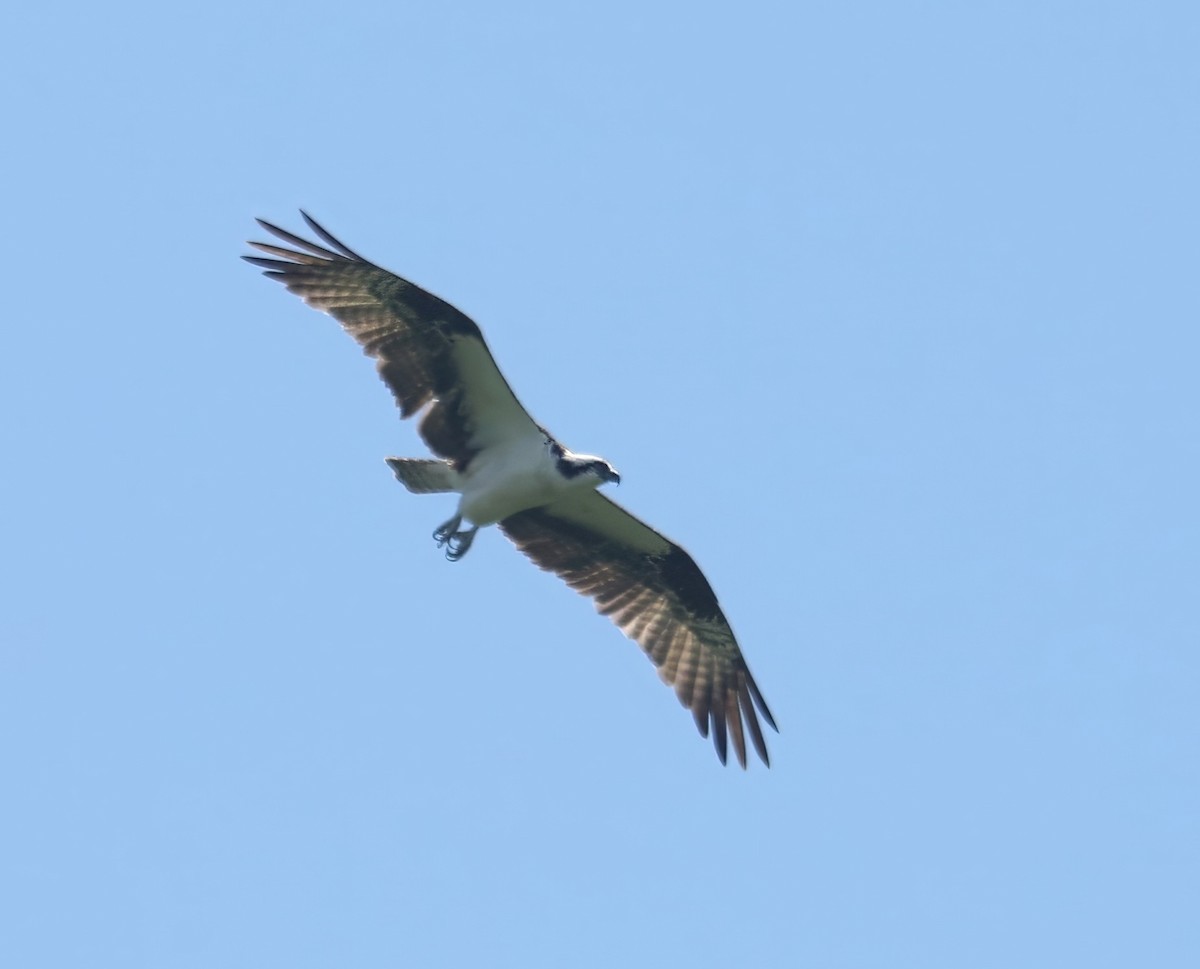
{"x": 422, "y": 476}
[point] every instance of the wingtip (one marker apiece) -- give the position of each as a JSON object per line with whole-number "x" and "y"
{"x": 759, "y": 702}
{"x": 329, "y": 238}
{"x": 270, "y": 227}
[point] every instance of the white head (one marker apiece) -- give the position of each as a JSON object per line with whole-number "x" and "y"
{"x": 583, "y": 468}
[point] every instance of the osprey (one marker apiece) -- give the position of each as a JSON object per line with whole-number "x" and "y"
{"x": 509, "y": 471}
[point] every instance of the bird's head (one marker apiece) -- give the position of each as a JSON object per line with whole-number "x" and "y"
{"x": 604, "y": 471}
{"x": 586, "y": 468}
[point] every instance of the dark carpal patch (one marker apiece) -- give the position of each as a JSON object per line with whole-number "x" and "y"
{"x": 679, "y": 570}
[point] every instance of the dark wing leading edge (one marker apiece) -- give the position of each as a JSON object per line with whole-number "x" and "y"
{"x": 426, "y": 350}
{"x": 656, "y": 594}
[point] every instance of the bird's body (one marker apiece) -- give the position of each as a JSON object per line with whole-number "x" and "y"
{"x": 504, "y": 481}
{"x": 511, "y": 472}
{"x": 514, "y": 477}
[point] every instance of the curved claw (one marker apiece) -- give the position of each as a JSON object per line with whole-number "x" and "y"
{"x": 446, "y": 531}
{"x": 452, "y": 540}
{"x": 458, "y": 543}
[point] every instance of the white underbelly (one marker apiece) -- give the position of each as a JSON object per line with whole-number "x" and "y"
{"x": 508, "y": 483}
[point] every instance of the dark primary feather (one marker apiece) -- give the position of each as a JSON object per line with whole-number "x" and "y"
{"x": 657, "y": 595}
{"x": 413, "y": 334}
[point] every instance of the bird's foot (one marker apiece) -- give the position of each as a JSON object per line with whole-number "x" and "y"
{"x": 458, "y": 543}
{"x": 443, "y": 533}
{"x": 455, "y": 542}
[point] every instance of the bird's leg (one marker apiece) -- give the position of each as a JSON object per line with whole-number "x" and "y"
{"x": 442, "y": 533}
{"x": 450, "y": 538}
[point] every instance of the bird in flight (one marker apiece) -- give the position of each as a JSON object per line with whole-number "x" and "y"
{"x": 509, "y": 471}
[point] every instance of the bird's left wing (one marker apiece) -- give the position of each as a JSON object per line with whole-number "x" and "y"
{"x": 657, "y": 595}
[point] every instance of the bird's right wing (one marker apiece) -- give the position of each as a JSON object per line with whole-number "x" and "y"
{"x": 427, "y": 352}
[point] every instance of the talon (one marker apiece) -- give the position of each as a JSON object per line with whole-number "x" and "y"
{"x": 458, "y": 543}
{"x": 452, "y": 540}
{"x": 446, "y": 531}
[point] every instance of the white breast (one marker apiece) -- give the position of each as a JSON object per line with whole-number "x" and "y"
{"x": 504, "y": 480}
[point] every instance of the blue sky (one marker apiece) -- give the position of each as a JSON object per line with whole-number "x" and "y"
{"x": 887, "y": 312}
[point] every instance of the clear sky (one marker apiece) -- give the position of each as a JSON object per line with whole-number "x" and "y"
{"x": 888, "y": 312}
